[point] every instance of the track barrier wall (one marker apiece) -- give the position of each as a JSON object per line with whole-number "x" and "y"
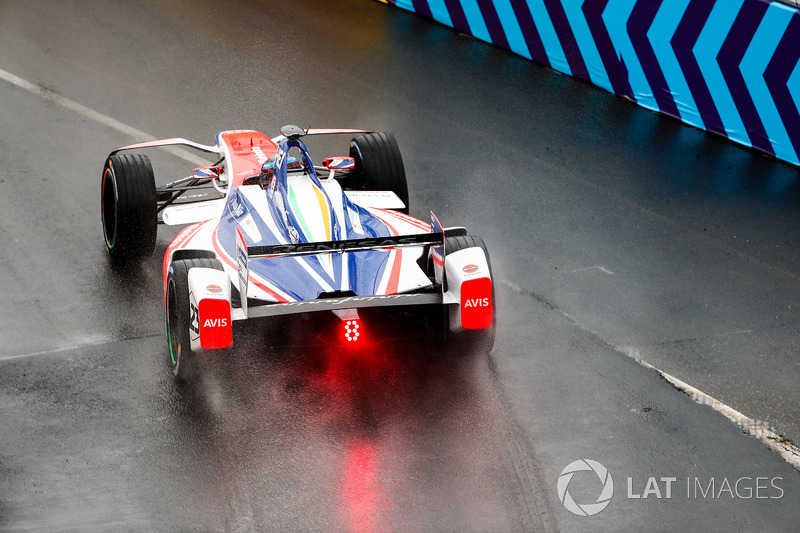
{"x": 725, "y": 66}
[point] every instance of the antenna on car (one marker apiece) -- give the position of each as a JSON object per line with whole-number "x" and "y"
{"x": 293, "y": 132}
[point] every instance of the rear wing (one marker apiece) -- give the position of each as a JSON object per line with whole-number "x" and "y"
{"x": 245, "y": 255}
{"x": 352, "y": 245}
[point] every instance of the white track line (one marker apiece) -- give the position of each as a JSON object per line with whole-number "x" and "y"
{"x": 105, "y": 120}
{"x": 98, "y": 117}
{"x": 788, "y": 451}
{"x": 759, "y": 430}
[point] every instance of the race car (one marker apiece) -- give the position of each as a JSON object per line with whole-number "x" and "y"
{"x": 267, "y": 233}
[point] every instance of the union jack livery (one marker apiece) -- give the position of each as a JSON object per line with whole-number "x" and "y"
{"x": 267, "y": 233}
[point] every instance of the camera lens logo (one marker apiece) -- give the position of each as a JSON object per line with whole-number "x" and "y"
{"x": 586, "y": 509}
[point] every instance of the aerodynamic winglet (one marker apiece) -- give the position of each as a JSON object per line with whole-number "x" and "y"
{"x": 169, "y": 142}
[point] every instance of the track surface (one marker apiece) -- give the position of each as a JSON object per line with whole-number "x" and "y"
{"x": 614, "y": 233}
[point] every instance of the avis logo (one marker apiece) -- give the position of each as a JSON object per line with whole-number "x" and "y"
{"x": 215, "y": 323}
{"x": 477, "y": 302}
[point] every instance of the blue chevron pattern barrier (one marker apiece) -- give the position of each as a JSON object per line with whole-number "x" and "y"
{"x": 726, "y": 66}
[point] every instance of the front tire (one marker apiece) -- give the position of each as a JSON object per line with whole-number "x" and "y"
{"x": 179, "y": 317}
{"x": 380, "y": 165}
{"x": 128, "y": 208}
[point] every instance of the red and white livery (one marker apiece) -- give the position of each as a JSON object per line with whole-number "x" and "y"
{"x": 269, "y": 233}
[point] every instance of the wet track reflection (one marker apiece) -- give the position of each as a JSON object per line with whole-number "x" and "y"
{"x": 613, "y": 232}
{"x": 394, "y": 437}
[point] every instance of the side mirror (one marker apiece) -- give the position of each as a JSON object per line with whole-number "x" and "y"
{"x": 206, "y": 173}
{"x": 339, "y": 163}
{"x": 268, "y": 170}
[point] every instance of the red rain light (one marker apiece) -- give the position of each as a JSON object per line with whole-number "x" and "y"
{"x": 352, "y": 330}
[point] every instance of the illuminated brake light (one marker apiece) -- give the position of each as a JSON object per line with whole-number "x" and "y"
{"x": 352, "y": 330}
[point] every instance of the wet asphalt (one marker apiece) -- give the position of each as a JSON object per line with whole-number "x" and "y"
{"x": 615, "y": 234}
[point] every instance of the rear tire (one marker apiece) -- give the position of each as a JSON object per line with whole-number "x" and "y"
{"x": 128, "y": 208}
{"x": 468, "y": 341}
{"x": 380, "y": 165}
{"x": 179, "y": 317}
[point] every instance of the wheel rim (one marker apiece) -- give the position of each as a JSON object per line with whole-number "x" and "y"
{"x": 108, "y": 207}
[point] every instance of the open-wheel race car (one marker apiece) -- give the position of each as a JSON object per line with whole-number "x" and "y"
{"x": 268, "y": 233}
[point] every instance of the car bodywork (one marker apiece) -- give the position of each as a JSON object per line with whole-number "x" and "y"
{"x": 290, "y": 240}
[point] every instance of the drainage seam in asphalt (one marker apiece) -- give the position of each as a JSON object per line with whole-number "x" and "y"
{"x": 77, "y": 346}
